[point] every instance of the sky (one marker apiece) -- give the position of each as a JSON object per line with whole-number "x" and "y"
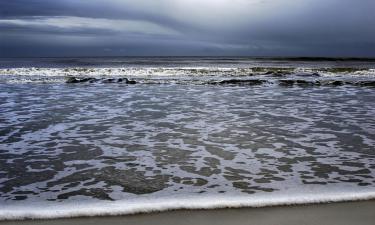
{"x": 71, "y": 28}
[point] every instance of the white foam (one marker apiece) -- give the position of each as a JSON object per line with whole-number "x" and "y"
{"x": 129, "y": 71}
{"x": 148, "y": 205}
{"x": 162, "y": 71}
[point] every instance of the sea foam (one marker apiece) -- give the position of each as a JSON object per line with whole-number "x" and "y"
{"x": 149, "y": 205}
{"x": 179, "y": 71}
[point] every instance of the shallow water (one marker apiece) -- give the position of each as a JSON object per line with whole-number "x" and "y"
{"x": 90, "y": 144}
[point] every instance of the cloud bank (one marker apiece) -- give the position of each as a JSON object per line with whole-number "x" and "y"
{"x": 332, "y": 28}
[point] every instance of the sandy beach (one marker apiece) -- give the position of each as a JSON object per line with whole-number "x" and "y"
{"x": 348, "y": 213}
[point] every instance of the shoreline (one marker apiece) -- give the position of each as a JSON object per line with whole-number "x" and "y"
{"x": 358, "y": 212}
{"x": 76, "y": 209}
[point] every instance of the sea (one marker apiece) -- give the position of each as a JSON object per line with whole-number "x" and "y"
{"x": 124, "y": 135}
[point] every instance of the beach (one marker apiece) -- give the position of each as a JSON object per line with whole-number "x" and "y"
{"x": 348, "y": 213}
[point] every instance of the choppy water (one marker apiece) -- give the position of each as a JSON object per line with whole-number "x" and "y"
{"x": 99, "y": 148}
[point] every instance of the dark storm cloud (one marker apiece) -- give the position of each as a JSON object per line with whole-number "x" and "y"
{"x": 187, "y": 27}
{"x": 9, "y": 9}
{"x": 84, "y": 8}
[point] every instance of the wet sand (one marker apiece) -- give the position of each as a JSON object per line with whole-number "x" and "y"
{"x": 349, "y": 213}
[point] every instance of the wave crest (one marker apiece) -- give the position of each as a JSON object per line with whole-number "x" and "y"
{"x": 145, "y": 205}
{"x": 184, "y": 71}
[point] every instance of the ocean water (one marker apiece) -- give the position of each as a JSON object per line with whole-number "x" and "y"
{"x": 191, "y": 133}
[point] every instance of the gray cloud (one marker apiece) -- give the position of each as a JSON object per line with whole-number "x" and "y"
{"x": 187, "y": 27}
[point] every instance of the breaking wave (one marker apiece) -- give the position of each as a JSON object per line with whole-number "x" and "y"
{"x": 184, "y": 71}
{"x": 148, "y": 205}
{"x": 177, "y": 75}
